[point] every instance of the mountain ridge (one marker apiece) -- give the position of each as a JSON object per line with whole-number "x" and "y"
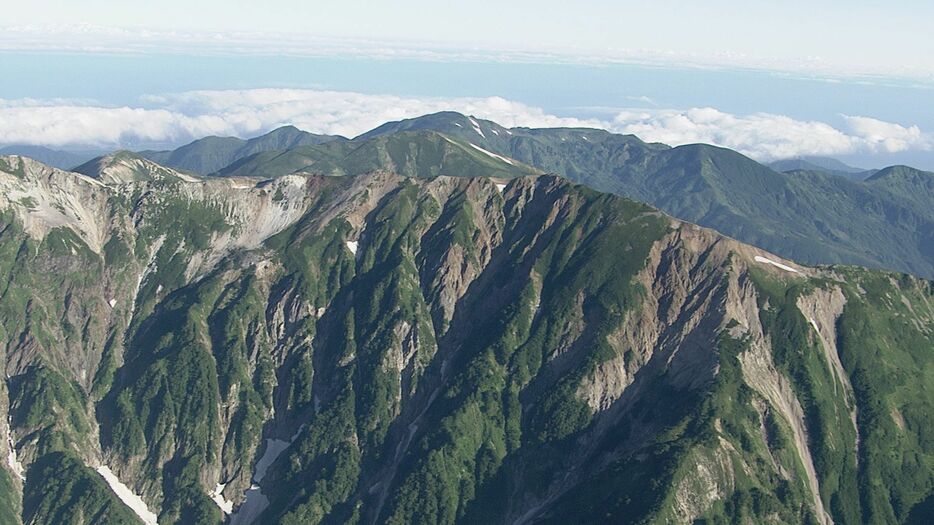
{"x": 813, "y": 216}
{"x": 56, "y": 158}
{"x": 440, "y": 350}
{"x": 821, "y": 164}
{"x": 210, "y": 154}
{"x": 817, "y": 234}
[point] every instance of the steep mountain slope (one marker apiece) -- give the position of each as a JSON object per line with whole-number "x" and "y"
{"x": 413, "y": 154}
{"x": 210, "y": 154}
{"x": 378, "y": 348}
{"x": 913, "y": 187}
{"x": 127, "y": 166}
{"x": 814, "y": 217}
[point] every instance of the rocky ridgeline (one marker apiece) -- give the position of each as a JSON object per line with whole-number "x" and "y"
{"x": 380, "y": 348}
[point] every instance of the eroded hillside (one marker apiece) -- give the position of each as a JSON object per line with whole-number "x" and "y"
{"x": 386, "y": 349}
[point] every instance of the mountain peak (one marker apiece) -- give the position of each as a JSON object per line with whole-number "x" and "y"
{"x": 127, "y": 166}
{"x": 447, "y": 122}
{"x": 212, "y": 154}
{"x": 284, "y": 131}
{"x": 901, "y": 172}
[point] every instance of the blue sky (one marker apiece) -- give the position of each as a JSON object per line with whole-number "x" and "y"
{"x": 856, "y": 34}
{"x": 848, "y": 79}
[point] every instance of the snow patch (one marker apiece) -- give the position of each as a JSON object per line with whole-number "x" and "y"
{"x": 255, "y": 501}
{"x": 500, "y": 187}
{"x": 127, "y": 496}
{"x": 476, "y": 127}
{"x": 495, "y": 132}
{"x": 458, "y": 125}
{"x": 776, "y": 264}
{"x": 90, "y": 180}
{"x": 186, "y": 178}
{"x": 491, "y": 154}
{"x": 352, "y": 246}
{"x": 15, "y": 465}
{"x": 11, "y": 458}
{"x": 218, "y": 497}
{"x": 274, "y": 448}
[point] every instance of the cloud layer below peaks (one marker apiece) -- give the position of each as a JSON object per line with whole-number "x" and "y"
{"x": 177, "y": 118}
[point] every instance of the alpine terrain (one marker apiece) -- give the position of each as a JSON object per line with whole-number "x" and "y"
{"x": 414, "y": 327}
{"x": 800, "y": 210}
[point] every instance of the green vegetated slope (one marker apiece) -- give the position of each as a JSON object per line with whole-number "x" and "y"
{"x": 210, "y": 154}
{"x": 412, "y": 154}
{"x": 816, "y": 218}
{"x": 820, "y": 212}
{"x": 443, "y": 350}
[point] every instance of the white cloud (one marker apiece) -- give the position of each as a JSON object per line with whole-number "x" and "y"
{"x": 181, "y": 117}
{"x": 346, "y": 113}
{"x": 888, "y": 137}
{"x": 768, "y": 136}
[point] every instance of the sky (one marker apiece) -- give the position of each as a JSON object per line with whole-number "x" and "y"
{"x": 772, "y": 79}
{"x": 856, "y": 34}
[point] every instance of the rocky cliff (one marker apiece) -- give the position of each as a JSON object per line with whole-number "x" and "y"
{"x": 371, "y": 349}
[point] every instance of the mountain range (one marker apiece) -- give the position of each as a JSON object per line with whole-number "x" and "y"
{"x": 57, "y": 158}
{"x": 821, "y": 164}
{"x": 211, "y": 154}
{"x": 440, "y": 322}
{"x": 814, "y": 215}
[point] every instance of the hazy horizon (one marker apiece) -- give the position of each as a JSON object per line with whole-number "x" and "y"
{"x": 109, "y": 76}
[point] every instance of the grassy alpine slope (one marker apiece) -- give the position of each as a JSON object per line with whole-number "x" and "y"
{"x": 442, "y": 350}
{"x": 210, "y": 154}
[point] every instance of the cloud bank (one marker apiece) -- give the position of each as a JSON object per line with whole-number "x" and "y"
{"x": 177, "y": 118}
{"x": 768, "y": 136}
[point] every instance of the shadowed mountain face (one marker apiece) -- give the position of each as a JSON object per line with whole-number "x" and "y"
{"x": 379, "y": 348}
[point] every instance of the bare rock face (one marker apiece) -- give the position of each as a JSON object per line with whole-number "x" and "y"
{"x": 388, "y": 349}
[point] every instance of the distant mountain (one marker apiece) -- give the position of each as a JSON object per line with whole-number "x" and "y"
{"x": 447, "y": 122}
{"x": 821, "y": 164}
{"x": 60, "y": 159}
{"x": 311, "y": 349}
{"x": 815, "y": 217}
{"x": 128, "y": 166}
{"x": 814, "y": 164}
{"x": 210, "y": 154}
{"x": 409, "y": 153}
{"x": 912, "y": 187}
